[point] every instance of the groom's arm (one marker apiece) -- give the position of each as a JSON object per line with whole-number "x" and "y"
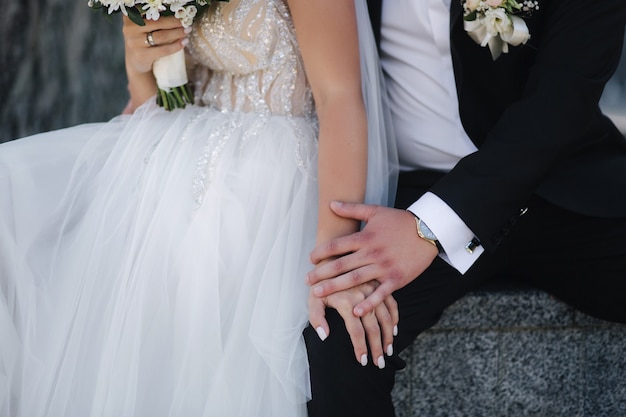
{"x": 576, "y": 51}
{"x": 579, "y": 51}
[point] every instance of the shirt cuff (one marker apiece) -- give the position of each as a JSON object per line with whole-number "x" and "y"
{"x": 452, "y": 232}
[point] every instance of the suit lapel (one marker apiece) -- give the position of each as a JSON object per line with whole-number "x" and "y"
{"x": 457, "y": 32}
{"x": 455, "y": 12}
{"x": 375, "y": 11}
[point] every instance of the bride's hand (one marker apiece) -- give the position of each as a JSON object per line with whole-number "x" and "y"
{"x": 376, "y": 329}
{"x": 168, "y": 37}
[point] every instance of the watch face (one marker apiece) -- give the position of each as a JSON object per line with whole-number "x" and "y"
{"x": 428, "y": 234}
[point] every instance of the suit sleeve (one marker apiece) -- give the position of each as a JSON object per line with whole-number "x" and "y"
{"x": 553, "y": 117}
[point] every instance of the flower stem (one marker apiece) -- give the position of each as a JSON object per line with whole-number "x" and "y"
{"x": 175, "y": 98}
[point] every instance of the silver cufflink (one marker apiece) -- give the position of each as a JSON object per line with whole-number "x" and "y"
{"x": 471, "y": 245}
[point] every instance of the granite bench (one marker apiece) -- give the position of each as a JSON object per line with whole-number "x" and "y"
{"x": 514, "y": 352}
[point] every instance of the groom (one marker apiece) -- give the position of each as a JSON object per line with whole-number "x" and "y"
{"x": 509, "y": 169}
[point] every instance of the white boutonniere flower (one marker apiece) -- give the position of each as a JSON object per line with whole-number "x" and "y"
{"x": 497, "y": 23}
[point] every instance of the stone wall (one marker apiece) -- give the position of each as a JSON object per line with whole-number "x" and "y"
{"x": 61, "y": 64}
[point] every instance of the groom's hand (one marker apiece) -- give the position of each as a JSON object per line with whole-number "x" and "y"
{"x": 387, "y": 250}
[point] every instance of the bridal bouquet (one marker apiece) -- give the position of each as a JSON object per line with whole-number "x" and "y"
{"x": 170, "y": 71}
{"x": 497, "y": 24}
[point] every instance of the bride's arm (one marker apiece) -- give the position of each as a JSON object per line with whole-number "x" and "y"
{"x": 170, "y": 37}
{"x": 328, "y": 39}
{"x": 327, "y": 35}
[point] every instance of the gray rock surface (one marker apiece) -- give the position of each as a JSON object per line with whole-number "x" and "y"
{"x": 62, "y": 64}
{"x": 514, "y": 353}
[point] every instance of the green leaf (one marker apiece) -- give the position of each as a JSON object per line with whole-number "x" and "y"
{"x": 135, "y": 16}
{"x": 470, "y": 17}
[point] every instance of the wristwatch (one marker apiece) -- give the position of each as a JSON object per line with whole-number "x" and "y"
{"x": 425, "y": 233}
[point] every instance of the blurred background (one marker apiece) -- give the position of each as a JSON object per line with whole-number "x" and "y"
{"x": 62, "y": 64}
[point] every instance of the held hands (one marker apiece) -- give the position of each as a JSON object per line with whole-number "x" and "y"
{"x": 378, "y": 327}
{"x": 167, "y": 36}
{"x": 387, "y": 254}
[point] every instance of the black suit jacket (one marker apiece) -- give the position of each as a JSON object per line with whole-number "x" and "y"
{"x": 533, "y": 114}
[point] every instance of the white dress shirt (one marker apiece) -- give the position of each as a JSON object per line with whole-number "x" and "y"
{"x": 415, "y": 55}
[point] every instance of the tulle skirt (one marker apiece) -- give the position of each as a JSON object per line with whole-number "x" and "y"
{"x": 154, "y": 266}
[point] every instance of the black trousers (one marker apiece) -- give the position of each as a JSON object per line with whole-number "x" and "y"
{"x": 578, "y": 259}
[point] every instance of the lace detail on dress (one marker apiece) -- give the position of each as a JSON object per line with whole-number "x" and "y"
{"x": 249, "y": 60}
{"x": 205, "y": 167}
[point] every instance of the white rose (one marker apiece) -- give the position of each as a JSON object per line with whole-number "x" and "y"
{"x": 496, "y": 21}
{"x": 494, "y": 3}
{"x": 471, "y": 5}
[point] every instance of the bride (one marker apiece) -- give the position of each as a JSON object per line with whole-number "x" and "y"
{"x": 154, "y": 265}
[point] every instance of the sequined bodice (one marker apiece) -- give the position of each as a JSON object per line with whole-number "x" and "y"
{"x": 247, "y": 59}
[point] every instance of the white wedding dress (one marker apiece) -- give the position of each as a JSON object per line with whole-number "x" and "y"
{"x": 154, "y": 265}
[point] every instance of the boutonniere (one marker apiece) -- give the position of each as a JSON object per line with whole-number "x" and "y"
{"x": 497, "y": 23}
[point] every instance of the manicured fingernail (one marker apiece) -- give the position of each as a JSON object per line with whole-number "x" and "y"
{"x": 390, "y": 350}
{"x": 317, "y": 291}
{"x": 363, "y": 360}
{"x": 188, "y": 30}
{"x": 184, "y": 42}
{"x": 395, "y": 330}
{"x": 321, "y": 333}
{"x": 381, "y": 362}
{"x": 358, "y": 311}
